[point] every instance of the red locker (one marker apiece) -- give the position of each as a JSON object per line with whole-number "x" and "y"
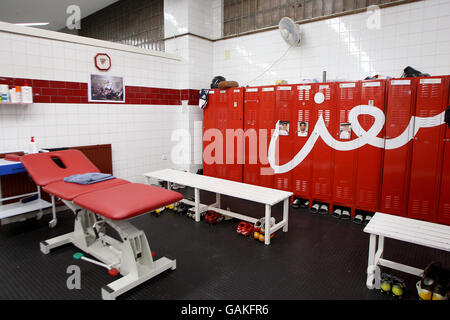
{"x": 428, "y": 147}
{"x": 234, "y": 135}
{"x": 221, "y": 114}
{"x": 285, "y": 100}
{"x": 401, "y": 95}
{"x": 344, "y": 176}
{"x": 303, "y": 117}
{"x": 325, "y": 99}
{"x": 259, "y": 123}
{"x": 251, "y": 125}
{"x": 444, "y": 199}
{"x": 214, "y": 128}
{"x": 368, "y": 157}
{"x": 209, "y": 122}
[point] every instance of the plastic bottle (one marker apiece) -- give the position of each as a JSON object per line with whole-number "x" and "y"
{"x": 33, "y": 146}
{"x": 27, "y": 94}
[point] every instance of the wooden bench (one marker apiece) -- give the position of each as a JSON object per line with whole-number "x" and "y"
{"x": 266, "y": 196}
{"x": 423, "y": 233}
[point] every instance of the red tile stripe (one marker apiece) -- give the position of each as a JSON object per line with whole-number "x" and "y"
{"x": 45, "y": 91}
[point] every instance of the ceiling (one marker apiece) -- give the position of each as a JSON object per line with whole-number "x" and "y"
{"x": 53, "y": 11}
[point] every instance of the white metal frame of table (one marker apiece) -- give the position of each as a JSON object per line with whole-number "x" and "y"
{"x": 267, "y": 196}
{"x": 422, "y": 233}
{"x": 18, "y": 211}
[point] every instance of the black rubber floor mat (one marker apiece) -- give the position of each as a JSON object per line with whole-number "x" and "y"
{"x": 318, "y": 258}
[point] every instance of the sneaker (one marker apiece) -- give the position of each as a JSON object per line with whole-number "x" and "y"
{"x": 240, "y": 227}
{"x": 247, "y": 230}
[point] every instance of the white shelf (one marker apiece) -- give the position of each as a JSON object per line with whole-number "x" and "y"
{"x": 16, "y": 208}
{"x": 15, "y": 103}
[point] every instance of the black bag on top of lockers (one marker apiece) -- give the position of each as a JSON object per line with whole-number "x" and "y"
{"x": 410, "y": 72}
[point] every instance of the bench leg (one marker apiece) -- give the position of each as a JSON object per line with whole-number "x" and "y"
{"x": 371, "y": 268}
{"x": 267, "y": 225}
{"x": 197, "y": 204}
{"x": 218, "y": 204}
{"x": 286, "y": 214}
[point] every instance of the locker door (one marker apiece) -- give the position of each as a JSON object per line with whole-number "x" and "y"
{"x": 222, "y": 125}
{"x": 285, "y": 97}
{"x": 369, "y": 158}
{"x": 251, "y": 125}
{"x": 444, "y": 199}
{"x": 397, "y": 162}
{"x": 325, "y": 98}
{"x": 234, "y": 155}
{"x": 348, "y": 97}
{"x": 267, "y": 123}
{"x": 303, "y": 114}
{"x": 432, "y": 98}
{"x": 209, "y": 122}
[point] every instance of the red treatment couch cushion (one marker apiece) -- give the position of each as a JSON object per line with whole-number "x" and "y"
{"x": 127, "y": 200}
{"x": 69, "y": 191}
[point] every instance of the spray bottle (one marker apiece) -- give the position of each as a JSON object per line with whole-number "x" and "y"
{"x": 33, "y": 146}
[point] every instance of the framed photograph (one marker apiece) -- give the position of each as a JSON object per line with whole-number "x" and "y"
{"x": 104, "y": 88}
{"x": 345, "y": 131}
{"x": 302, "y": 128}
{"x": 284, "y": 128}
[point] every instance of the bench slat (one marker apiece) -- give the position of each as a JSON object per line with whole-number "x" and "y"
{"x": 226, "y": 187}
{"x": 408, "y": 221}
{"x": 410, "y": 235}
{"x": 418, "y": 229}
{"x": 410, "y": 230}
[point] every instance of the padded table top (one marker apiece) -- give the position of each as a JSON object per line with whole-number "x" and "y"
{"x": 127, "y": 200}
{"x": 69, "y": 191}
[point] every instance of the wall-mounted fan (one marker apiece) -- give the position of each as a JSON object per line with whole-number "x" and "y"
{"x": 290, "y": 31}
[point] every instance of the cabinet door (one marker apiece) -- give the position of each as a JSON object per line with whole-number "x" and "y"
{"x": 428, "y": 145}
{"x": 348, "y": 97}
{"x": 397, "y": 161}
{"x": 369, "y": 158}
{"x": 303, "y": 117}
{"x": 322, "y": 154}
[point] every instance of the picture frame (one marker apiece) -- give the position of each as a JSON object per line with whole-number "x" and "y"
{"x": 106, "y": 88}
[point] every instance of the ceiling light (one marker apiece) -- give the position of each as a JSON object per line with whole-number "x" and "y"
{"x": 32, "y": 24}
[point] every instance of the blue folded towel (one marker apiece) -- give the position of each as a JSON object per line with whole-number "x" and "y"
{"x": 89, "y": 178}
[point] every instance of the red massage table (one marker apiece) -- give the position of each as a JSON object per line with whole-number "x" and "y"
{"x": 109, "y": 202}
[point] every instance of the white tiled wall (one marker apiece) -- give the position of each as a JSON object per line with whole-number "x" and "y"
{"x": 415, "y": 34}
{"x": 139, "y": 134}
{"x": 200, "y": 17}
{"x": 24, "y": 56}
